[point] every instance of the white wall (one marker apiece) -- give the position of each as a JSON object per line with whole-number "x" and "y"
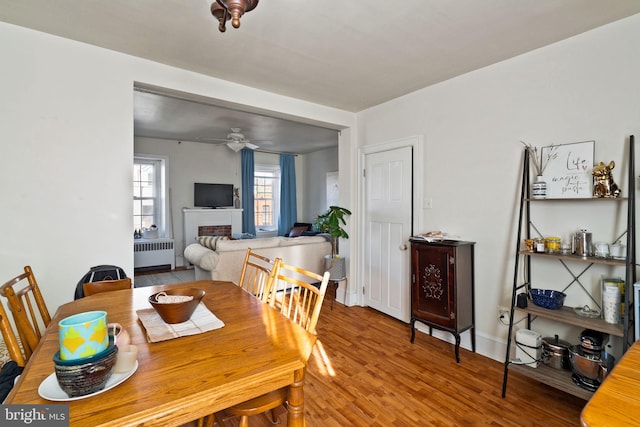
{"x": 317, "y": 165}
{"x": 584, "y": 88}
{"x": 191, "y": 162}
{"x": 67, "y": 147}
{"x": 67, "y": 151}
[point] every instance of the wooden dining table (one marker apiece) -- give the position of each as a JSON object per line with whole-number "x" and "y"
{"x": 617, "y": 401}
{"x": 185, "y": 378}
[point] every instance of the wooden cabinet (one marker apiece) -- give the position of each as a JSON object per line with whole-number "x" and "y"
{"x": 442, "y": 288}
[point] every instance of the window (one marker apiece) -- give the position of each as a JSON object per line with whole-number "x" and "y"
{"x": 149, "y": 193}
{"x": 266, "y": 189}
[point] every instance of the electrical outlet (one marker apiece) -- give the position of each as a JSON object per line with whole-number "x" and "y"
{"x": 503, "y": 314}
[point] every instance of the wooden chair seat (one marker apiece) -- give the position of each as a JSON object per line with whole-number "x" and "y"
{"x": 257, "y": 273}
{"x": 260, "y": 404}
{"x": 92, "y": 288}
{"x": 295, "y": 293}
{"x": 10, "y": 341}
{"x": 23, "y": 302}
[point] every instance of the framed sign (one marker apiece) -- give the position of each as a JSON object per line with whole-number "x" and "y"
{"x": 568, "y": 170}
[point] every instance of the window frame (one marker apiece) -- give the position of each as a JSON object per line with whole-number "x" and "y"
{"x": 160, "y": 187}
{"x": 275, "y": 171}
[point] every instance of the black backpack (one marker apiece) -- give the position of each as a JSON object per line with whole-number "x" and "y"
{"x": 97, "y": 274}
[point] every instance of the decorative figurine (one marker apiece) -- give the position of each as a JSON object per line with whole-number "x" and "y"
{"x": 236, "y": 198}
{"x": 603, "y": 185}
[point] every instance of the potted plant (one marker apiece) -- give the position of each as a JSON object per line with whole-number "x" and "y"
{"x": 331, "y": 222}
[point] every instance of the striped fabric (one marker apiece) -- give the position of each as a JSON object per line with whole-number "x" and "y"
{"x": 210, "y": 241}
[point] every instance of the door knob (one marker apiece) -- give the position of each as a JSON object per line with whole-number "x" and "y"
{"x": 403, "y": 247}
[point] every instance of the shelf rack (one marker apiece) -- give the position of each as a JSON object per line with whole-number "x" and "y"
{"x": 554, "y": 377}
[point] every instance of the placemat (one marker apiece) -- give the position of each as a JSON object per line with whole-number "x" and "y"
{"x": 202, "y": 320}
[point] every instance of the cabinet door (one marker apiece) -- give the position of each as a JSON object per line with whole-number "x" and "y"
{"x": 433, "y": 283}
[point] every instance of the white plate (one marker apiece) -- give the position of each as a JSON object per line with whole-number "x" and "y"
{"x": 50, "y": 389}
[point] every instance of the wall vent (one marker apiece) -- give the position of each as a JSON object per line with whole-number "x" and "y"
{"x": 154, "y": 253}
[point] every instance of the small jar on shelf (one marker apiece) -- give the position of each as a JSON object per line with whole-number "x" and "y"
{"x": 552, "y": 245}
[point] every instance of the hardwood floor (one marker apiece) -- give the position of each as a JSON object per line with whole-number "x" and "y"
{"x": 365, "y": 372}
{"x": 381, "y": 379}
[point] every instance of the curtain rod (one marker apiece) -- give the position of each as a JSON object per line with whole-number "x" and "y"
{"x": 274, "y": 152}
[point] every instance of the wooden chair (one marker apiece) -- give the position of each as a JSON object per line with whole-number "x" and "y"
{"x": 298, "y": 294}
{"x": 257, "y": 274}
{"x": 21, "y": 303}
{"x": 10, "y": 340}
{"x": 106, "y": 286}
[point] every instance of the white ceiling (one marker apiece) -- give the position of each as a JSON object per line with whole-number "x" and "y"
{"x": 346, "y": 54}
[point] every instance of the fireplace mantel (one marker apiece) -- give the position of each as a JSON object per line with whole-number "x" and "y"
{"x": 196, "y": 217}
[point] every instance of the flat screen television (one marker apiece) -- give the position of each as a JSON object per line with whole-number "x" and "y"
{"x": 213, "y": 195}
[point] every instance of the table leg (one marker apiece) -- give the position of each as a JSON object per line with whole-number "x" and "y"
{"x": 295, "y": 416}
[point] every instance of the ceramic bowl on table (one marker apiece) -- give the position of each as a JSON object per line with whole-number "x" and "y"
{"x": 80, "y": 377}
{"x": 177, "y": 312}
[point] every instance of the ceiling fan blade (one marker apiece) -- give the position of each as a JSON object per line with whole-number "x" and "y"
{"x": 237, "y": 146}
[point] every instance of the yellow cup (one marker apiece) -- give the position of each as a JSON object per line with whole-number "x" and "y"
{"x": 83, "y": 335}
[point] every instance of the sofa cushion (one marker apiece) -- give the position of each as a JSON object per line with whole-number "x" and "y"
{"x": 302, "y": 240}
{"x": 243, "y": 245}
{"x": 210, "y": 241}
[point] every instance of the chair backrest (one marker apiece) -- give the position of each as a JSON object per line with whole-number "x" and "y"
{"x": 91, "y": 288}
{"x": 10, "y": 340}
{"x": 298, "y": 294}
{"x": 21, "y": 302}
{"x": 257, "y": 274}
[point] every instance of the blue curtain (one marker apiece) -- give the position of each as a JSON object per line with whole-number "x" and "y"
{"x": 248, "y": 222}
{"x": 288, "y": 209}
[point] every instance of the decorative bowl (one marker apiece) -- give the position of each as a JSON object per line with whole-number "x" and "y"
{"x": 177, "y": 312}
{"x": 85, "y": 376}
{"x": 547, "y": 298}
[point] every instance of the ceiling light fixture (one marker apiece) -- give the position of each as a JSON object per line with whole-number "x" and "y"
{"x": 223, "y": 10}
{"x": 236, "y": 141}
{"x": 236, "y": 146}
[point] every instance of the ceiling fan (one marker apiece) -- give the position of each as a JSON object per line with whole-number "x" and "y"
{"x": 236, "y": 141}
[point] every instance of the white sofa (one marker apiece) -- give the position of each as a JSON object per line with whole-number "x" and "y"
{"x": 225, "y": 262}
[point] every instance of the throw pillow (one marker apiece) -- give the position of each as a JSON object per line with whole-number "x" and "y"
{"x": 296, "y": 231}
{"x": 210, "y": 241}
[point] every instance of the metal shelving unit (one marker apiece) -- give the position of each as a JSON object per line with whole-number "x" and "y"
{"x": 554, "y": 377}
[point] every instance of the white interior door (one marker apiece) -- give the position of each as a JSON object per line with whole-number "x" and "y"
{"x": 387, "y": 228}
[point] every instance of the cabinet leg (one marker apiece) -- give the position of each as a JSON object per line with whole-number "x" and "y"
{"x": 457, "y": 348}
{"x": 413, "y": 330}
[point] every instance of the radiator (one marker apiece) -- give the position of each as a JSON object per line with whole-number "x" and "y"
{"x": 157, "y": 253}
